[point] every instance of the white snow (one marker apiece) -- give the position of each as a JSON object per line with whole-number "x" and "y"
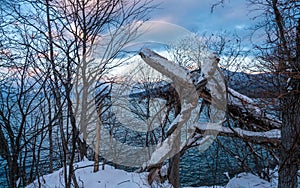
{"x": 166, "y": 67}
{"x": 274, "y": 134}
{"x": 107, "y": 178}
{"x": 115, "y": 178}
{"x": 247, "y": 180}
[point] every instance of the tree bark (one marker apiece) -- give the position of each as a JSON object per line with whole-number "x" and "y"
{"x": 173, "y": 169}
{"x": 289, "y": 154}
{"x": 98, "y": 128}
{"x": 290, "y": 131}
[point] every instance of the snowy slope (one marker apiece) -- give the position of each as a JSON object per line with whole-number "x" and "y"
{"x": 114, "y": 178}
{"x": 108, "y": 178}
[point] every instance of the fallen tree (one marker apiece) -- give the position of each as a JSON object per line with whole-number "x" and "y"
{"x": 261, "y": 126}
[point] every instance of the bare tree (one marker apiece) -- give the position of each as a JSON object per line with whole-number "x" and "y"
{"x": 280, "y": 53}
{"x": 22, "y": 130}
{"x": 73, "y": 43}
{"x": 278, "y": 56}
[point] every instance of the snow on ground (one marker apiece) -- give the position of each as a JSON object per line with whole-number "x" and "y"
{"x": 108, "y": 178}
{"x": 248, "y": 180}
{"x": 114, "y": 178}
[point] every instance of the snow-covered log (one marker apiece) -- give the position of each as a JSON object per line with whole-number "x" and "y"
{"x": 249, "y": 112}
{"x": 184, "y": 83}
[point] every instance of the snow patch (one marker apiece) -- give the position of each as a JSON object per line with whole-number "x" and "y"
{"x": 247, "y": 180}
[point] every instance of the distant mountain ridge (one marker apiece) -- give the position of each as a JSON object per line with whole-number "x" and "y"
{"x": 262, "y": 85}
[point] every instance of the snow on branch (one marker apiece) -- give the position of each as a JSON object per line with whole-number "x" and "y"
{"x": 271, "y": 136}
{"x": 251, "y": 111}
{"x": 166, "y": 67}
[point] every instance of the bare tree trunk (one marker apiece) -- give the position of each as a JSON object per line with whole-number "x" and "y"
{"x": 50, "y": 130}
{"x": 57, "y": 94}
{"x": 290, "y": 144}
{"x": 13, "y": 167}
{"x": 96, "y": 156}
{"x": 290, "y": 131}
{"x": 173, "y": 169}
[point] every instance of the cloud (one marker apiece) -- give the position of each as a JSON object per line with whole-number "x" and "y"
{"x": 242, "y": 26}
{"x": 195, "y": 15}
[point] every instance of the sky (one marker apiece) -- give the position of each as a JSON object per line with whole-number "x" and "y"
{"x": 196, "y": 15}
